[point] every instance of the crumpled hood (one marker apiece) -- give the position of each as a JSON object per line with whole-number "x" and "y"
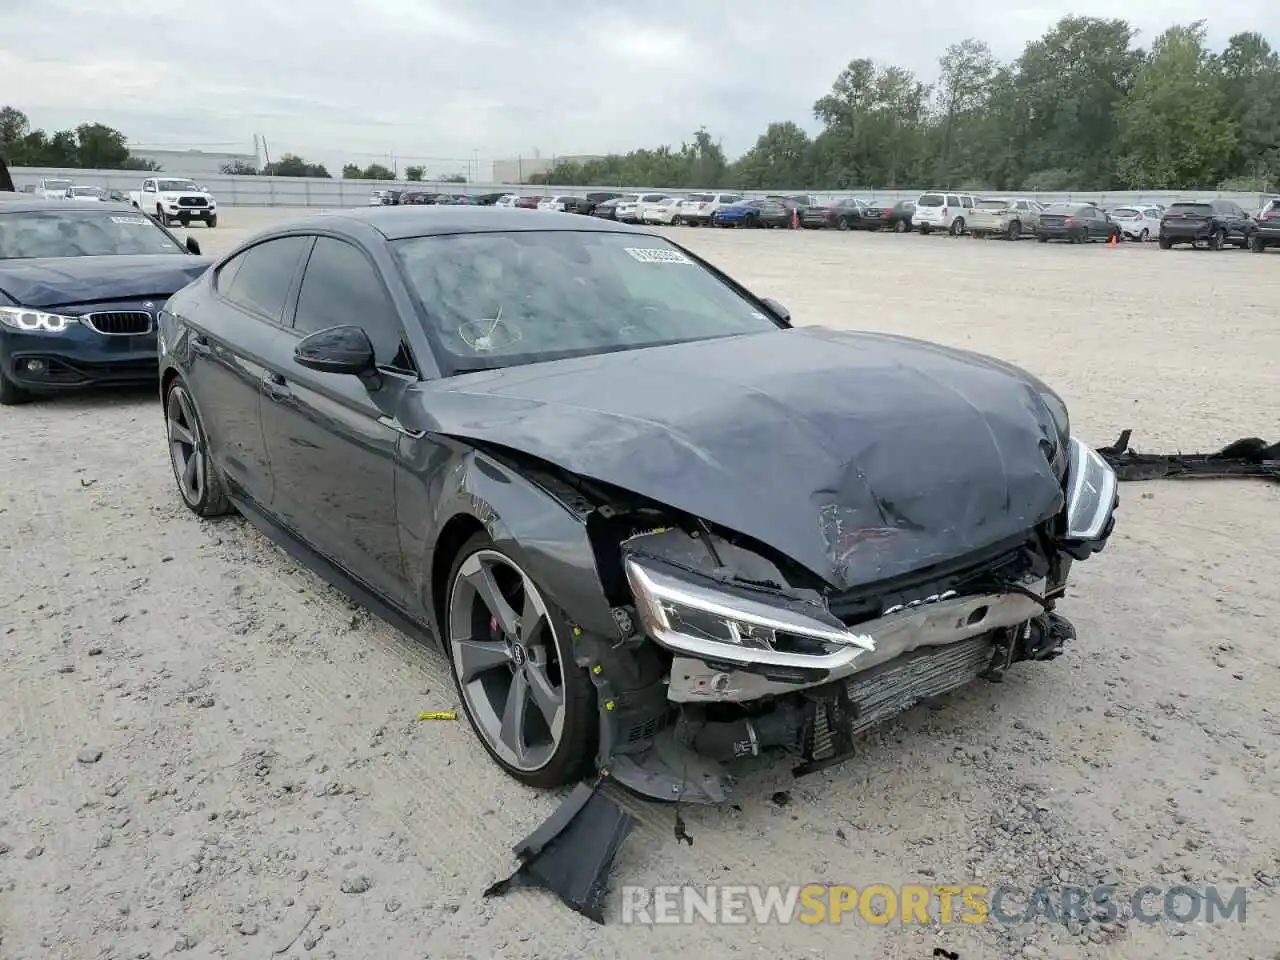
{"x": 56, "y": 282}
{"x": 860, "y": 456}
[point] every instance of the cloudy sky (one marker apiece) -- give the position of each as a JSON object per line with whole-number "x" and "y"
{"x": 446, "y": 80}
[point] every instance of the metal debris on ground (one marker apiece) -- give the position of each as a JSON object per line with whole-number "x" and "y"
{"x": 1247, "y": 457}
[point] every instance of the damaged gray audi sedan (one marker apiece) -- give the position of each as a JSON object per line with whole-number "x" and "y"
{"x": 653, "y": 527}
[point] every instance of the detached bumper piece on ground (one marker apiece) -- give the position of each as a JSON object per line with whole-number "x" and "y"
{"x": 1248, "y": 457}
{"x": 571, "y": 853}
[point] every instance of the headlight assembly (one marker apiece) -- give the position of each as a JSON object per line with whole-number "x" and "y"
{"x": 35, "y": 321}
{"x": 710, "y": 624}
{"x": 1091, "y": 492}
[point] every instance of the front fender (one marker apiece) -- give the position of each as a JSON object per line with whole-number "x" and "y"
{"x": 445, "y": 479}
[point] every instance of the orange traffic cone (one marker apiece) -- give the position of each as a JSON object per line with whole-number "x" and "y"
{"x": 795, "y": 219}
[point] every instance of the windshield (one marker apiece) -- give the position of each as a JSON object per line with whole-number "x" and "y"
{"x": 175, "y": 186}
{"x": 57, "y": 184}
{"x": 505, "y": 299}
{"x": 87, "y": 191}
{"x": 931, "y": 200}
{"x": 80, "y": 233}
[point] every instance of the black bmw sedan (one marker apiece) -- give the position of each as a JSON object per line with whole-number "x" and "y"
{"x": 653, "y": 527}
{"x": 80, "y": 286}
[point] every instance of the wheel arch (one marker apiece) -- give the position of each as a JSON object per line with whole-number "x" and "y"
{"x": 543, "y": 531}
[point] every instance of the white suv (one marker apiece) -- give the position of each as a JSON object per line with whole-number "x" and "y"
{"x": 943, "y": 210}
{"x": 632, "y": 210}
{"x": 701, "y": 207}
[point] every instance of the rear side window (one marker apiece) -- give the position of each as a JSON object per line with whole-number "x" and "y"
{"x": 341, "y": 286}
{"x": 260, "y": 282}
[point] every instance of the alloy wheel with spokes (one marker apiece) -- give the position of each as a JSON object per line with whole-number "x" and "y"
{"x": 522, "y": 691}
{"x": 198, "y": 480}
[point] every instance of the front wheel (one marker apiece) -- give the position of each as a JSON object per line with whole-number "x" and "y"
{"x": 211, "y": 222}
{"x": 164, "y": 221}
{"x": 1219, "y": 239}
{"x": 1257, "y": 244}
{"x": 1014, "y": 231}
{"x": 511, "y": 655}
{"x": 1144, "y": 235}
{"x": 199, "y": 481}
{"x": 10, "y": 393}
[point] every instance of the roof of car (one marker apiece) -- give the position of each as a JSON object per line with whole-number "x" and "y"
{"x": 398, "y": 223}
{"x": 25, "y": 204}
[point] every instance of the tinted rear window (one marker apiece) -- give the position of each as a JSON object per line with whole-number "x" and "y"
{"x": 1061, "y": 209}
{"x": 1201, "y": 208}
{"x": 993, "y": 204}
{"x": 931, "y": 200}
{"x": 700, "y": 198}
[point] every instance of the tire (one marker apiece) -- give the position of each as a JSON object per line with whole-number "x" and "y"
{"x": 842, "y": 223}
{"x": 1042, "y": 238}
{"x": 925, "y": 230}
{"x": 202, "y": 489}
{"x": 11, "y": 394}
{"x": 566, "y": 758}
{"x": 1166, "y": 243}
{"x": 164, "y": 221}
{"x": 1219, "y": 239}
{"x": 1144, "y": 236}
{"x": 900, "y": 226}
{"x": 211, "y": 222}
{"x": 1257, "y": 244}
{"x": 957, "y": 227}
{"x": 1014, "y": 231}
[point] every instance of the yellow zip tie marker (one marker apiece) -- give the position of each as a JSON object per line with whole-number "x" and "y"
{"x": 439, "y": 715}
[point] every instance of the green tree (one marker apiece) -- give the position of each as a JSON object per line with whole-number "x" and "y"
{"x": 1174, "y": 129}
{"x": 780, "y": 159}
{"x": 238, "y": 168}
{"x": 414, "y": 174}
{"x": 376, "y": 171}
{"x": 966, "y": 70}
{"x": 292, "y": 165}
{"x": 453, "y": 178}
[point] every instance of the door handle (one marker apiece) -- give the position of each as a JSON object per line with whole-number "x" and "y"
{"x": 275, "y": 387}
{"x": 200, "y": 344}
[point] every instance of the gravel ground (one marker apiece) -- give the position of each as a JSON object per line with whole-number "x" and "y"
{"x": 205, "y": 751}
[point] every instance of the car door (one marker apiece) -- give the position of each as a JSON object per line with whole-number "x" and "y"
{"x": 230, "y": 335}
{"x": 332, "y": 440}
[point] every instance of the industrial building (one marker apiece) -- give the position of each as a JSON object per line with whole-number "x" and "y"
{"x": 520, "y": 169}
{"x": 193, "y": 163}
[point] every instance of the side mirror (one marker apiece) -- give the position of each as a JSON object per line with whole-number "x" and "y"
{"x": 777, "y": 309}
{"x": 193, "y": 245}
{"x": 345, "y": 350}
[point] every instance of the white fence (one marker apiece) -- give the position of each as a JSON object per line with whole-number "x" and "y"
{"x": 311, "y": 192}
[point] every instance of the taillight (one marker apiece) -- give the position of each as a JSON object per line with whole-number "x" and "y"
{"x": 887, "y": 211}
{"x": 1071, "y": 219}
{"x": 944, "y": 211}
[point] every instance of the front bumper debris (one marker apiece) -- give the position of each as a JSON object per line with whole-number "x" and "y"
{"x": 1248, "y": 457}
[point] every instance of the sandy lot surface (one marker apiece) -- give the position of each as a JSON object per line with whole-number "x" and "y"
{"x": 204, "y": 751}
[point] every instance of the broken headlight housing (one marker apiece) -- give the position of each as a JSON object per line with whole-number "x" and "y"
{"x": 1091, "y": 492}
{"x": 710, "y": 624}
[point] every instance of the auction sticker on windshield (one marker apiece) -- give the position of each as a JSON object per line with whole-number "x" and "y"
{"x": 657, "y": 255}
{"x": 128, "y": 219}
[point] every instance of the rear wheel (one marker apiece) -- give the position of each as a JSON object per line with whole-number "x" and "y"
{"x": 1218, "y": 240}
{"x": 1014, "y": 231}
{"x": 1042, "y": 238}
{"x": 1144, "y": 236}
{"x": 1257, "y": 244}
{"x": 198, "y": 479}
{"x": 1166, "y": 243}
{"x": 957, "y": 226}
{"x": 511, "y": 654}
{"x": 842, "y": 223}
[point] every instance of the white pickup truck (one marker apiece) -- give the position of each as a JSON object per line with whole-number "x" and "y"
{"x": 172, "y": 198}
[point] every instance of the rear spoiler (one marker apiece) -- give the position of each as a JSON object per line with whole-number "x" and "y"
{"x": 6, "y": 181}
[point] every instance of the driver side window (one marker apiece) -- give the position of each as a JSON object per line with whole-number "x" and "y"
{"x": 341, "y": 286}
